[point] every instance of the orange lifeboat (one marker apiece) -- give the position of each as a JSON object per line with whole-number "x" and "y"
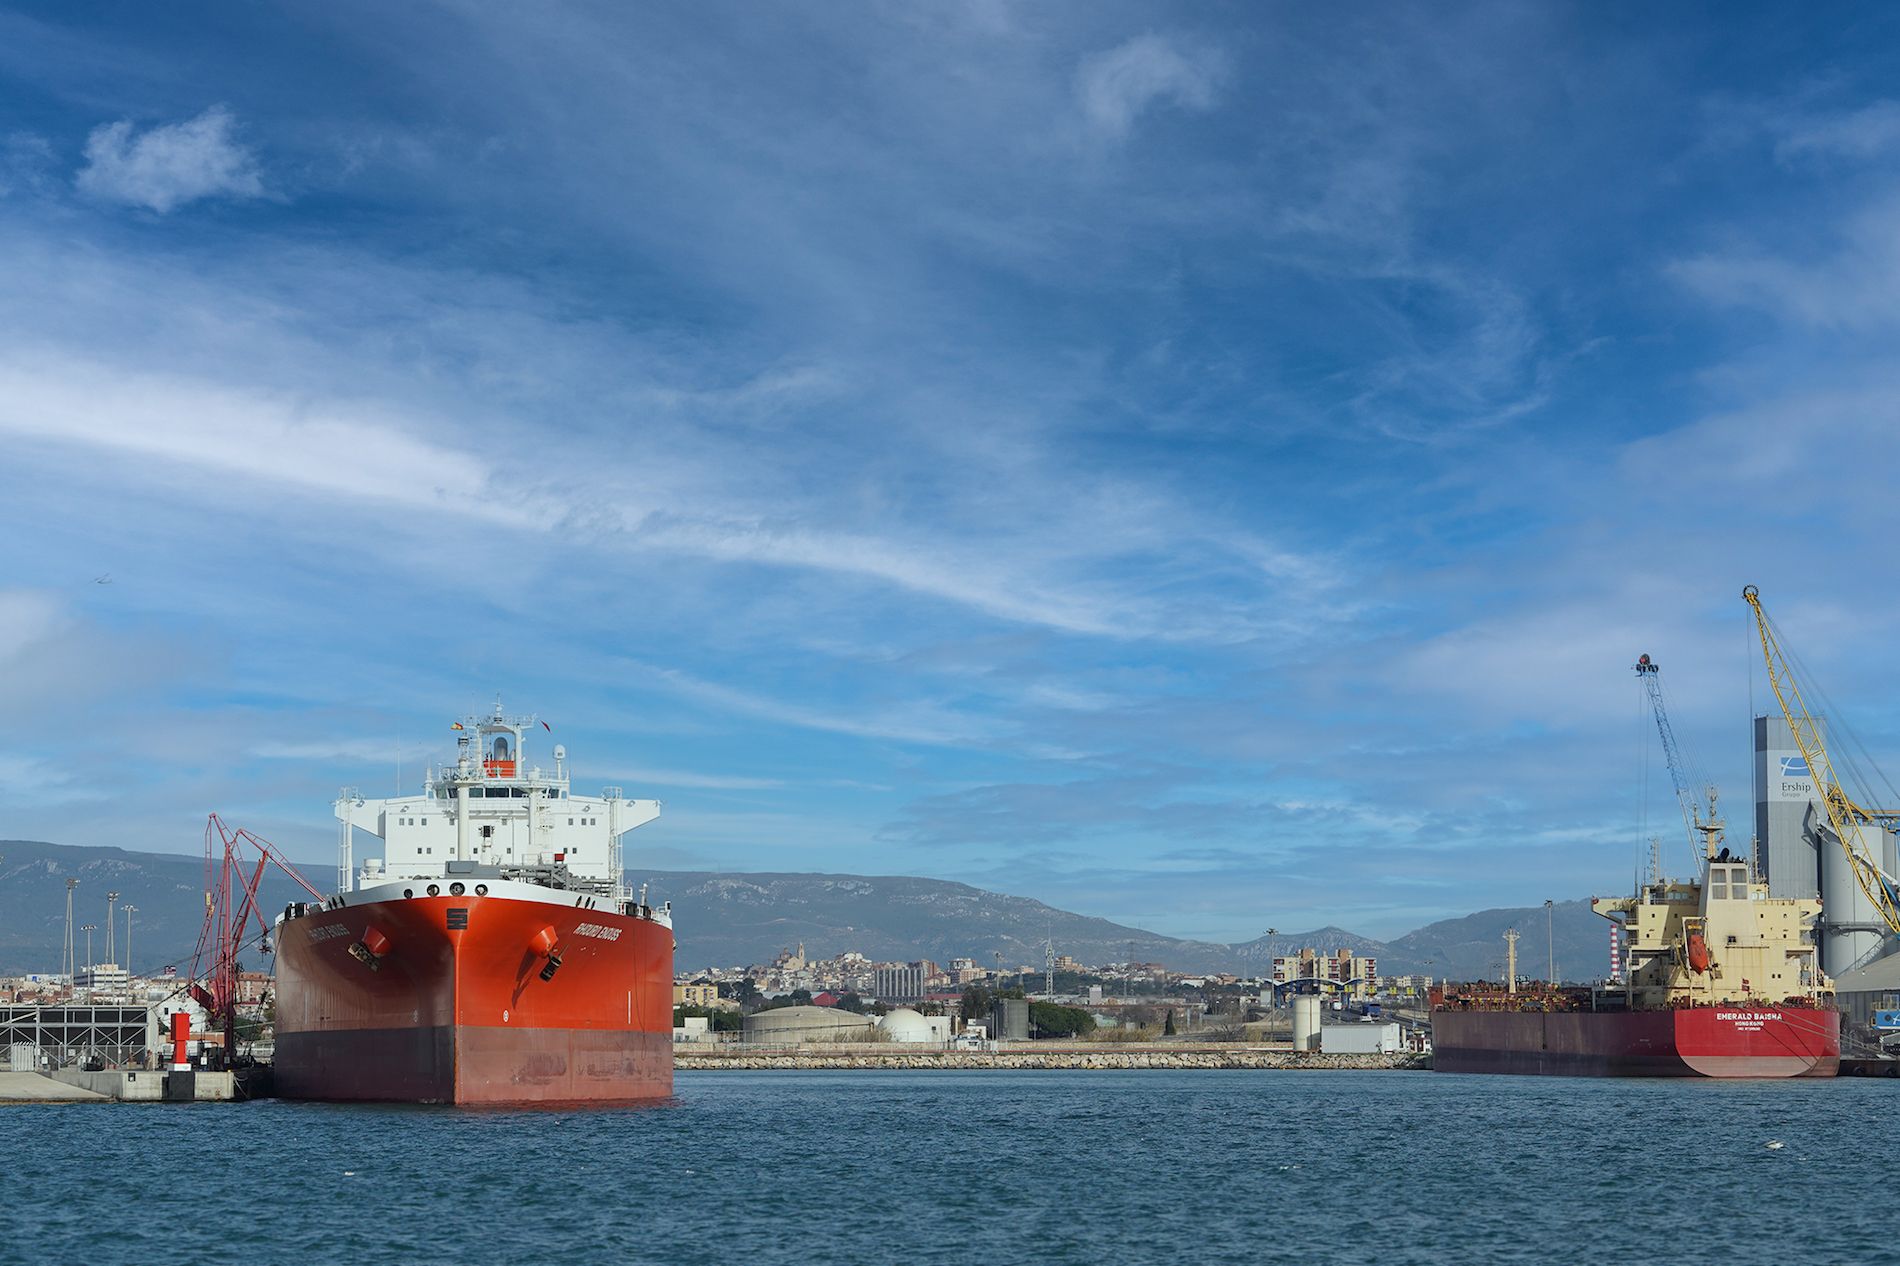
{"x": 1698, "y": 953}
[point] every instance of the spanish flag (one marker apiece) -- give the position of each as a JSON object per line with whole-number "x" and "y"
{"x": 455, "y": 725}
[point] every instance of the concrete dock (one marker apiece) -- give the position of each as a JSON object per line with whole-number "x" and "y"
{"x": 124, "y": 1085}
{"x": 37, "y": 1088}
{"x": 129, "y": 1085}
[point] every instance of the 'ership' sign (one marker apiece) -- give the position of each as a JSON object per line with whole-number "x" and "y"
{"x": 1788, "y": 778}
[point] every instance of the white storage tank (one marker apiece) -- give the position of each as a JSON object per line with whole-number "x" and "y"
{"x": 1306, "y": 1011}
{"x": 789, "y": 1025}
{"x": 906, "y": 1025}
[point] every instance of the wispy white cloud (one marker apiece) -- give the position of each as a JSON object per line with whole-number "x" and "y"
{"x": 369, "y": 751}
{"x": 325, "y": 446}
{"x": 638, "y": 777}
{"x": 1063, "y": 575}
{"x": 165, "y": 167}
{"x": 1840, "y": 277}
{"x": 1863, "y": 133}
{"x": 27, "y": 617}
{"x": 915, "y": 722}
{"x": 1115, "y": 88}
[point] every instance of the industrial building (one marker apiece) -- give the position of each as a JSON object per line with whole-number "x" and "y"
{"x": 1009, "y": 1019}
{"x": 901, "y": 983}
{"x": 104, "y": 982}
{"x": 62, "y": 1035}
{"x": 1361, "y": 1039}
{"x": 1865, "y": 990}
{"x": 1799, "y": 856}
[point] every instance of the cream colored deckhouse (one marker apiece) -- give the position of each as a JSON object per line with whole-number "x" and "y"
{"x": 1721, "y": 941}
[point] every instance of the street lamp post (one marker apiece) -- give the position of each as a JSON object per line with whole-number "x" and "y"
{"x": 89, "y": 929}
{"x": 129, "y": 909}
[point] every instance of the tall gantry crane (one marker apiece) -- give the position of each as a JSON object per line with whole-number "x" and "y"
{"x": 1845, "y": 816}
{"x": 1648, "y": 671}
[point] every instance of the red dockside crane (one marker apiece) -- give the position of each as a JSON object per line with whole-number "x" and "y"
{"x": 231, "y": 904}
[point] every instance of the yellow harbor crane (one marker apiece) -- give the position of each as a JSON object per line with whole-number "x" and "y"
{"x": 1844, "y": 816}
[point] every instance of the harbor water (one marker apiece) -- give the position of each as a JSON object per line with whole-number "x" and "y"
{"x": 1001, "y": 1168}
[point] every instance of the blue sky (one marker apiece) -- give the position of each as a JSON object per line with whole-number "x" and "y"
{"x": 1208, "y": 466}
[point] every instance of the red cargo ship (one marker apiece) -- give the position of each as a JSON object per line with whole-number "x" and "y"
{"x": 491, "y": 955}
{"x": 1720, "y": 1041}
{"x": 1713, "y": 979}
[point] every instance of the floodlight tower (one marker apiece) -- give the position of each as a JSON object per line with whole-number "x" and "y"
{"x": 111, "y": 953}
{"x": 67, "y": 966}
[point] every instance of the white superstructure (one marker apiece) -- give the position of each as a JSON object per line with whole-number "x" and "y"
{"x": 495, "y": 812}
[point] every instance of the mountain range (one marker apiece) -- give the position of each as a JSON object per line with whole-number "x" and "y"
{"x": 727, "y": 919}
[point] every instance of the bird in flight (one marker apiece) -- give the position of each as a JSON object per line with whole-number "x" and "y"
{"x": 102, "y": 580}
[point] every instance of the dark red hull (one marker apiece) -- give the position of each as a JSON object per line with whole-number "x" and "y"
{"x": 1693, "y": 1042}
{"x": 456, "y": 1011}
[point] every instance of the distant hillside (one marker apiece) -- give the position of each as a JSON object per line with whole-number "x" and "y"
{"x": 1472, "y": 948}
{"x": 1258, "y": 954}
{"x": 167, "y": 889}
{"x": 727, "y": 920}
{"x": 733, "y": 919}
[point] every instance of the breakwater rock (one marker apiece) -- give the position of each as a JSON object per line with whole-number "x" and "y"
{"x": 1241, "y": 1057}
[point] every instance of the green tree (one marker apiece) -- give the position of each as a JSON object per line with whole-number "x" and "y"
{"x": 1048, "y": 1019}
{"x": 975, "y": 1003}
{"x": 1167, "y": 1029}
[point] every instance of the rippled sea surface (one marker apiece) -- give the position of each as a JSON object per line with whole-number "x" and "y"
{"x": 986, "y": 1168}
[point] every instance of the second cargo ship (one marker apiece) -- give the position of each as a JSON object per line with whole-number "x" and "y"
{"x": 492, "y": 954}
{"x": 1717, "y": 979}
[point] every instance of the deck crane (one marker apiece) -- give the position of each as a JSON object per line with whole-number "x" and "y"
{"x": 1844, "y": 816}
{"x": 1648, "y": 671}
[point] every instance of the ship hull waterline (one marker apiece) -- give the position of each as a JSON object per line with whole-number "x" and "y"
{"x": 1722, "y": 1042}
{"x": 456, "y": 1009}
